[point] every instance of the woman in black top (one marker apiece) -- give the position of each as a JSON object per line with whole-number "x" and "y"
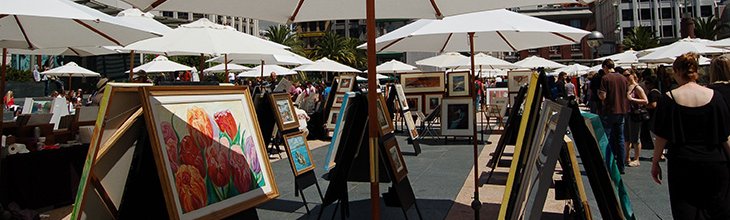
{"x": 693, "y": 121}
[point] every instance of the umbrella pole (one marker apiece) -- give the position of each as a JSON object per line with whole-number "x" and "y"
{"x": 262, "y": 69}
{"x": 475, "y": 204}
{"x": 372, "y": 111}
{"x": 202, "y": 62}
{"x": 2, "y": 85}
{"x": 69, "y": 82}
{"x": 225, "y": 63}
{"x": 131, "y": 65}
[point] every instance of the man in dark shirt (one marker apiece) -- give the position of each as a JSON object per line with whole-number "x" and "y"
{"x": 595, "y": 84}
{"x": 614, "y": 95}
{"x": 561, "y": 85}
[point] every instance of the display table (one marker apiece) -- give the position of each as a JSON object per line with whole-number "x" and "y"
{"x": 43, "y": 178}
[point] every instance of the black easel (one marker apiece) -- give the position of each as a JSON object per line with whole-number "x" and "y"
{"x": 304, "y": 181}
{"x": 400, "y": 194}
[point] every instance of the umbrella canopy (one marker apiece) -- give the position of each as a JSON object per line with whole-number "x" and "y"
{"x": 71, "y": 69}
{"x": 450, "y": 34}
{"x": 575, "y": 69}
{"x": 287, "y": 11}
{"x": 143, "y": 19}
{"x": 277, "y": 59}
{"x": 326, "y": 65}
{"x": 533, "y": 62}
{"x": 441, "y": 61}
{"x": 208, "y": 38}
{"x": 69, "y": 51}
{"x": 484, "y": 61}
{"x": 268, "y": 69}
{"x": 626, "y": 57}
{"x": 33, "y": 24}
{"x": 232, "y": 67}
{"x": 378, "y": 76}
{"x": 394, "y": 66}
{"x": 161, "y": 65}
{"x": 667, "y": 54}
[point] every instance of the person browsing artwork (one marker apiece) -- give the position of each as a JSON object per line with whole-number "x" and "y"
{"x": 692, "y": 123}
{"x": 612, "y": 94}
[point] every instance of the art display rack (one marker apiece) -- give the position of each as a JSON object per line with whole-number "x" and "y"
{"x": 395, "y": 91}
{"x": 120, "y": 179}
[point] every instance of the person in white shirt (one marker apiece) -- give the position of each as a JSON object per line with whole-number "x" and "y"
{"x": 231, "y": 77}
{"x": 303, "y": 119}
{"x": 569, "y": 89}
{"x": 36, "y": 73}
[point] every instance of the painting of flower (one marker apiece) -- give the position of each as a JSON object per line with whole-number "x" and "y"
{"x": 214, "y": 155}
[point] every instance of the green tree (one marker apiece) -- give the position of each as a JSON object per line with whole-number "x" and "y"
{"x": 282, "y": 34}
{"x": 340, "y": 49}
{"x": 640, "y": 38}
{"x": 708, "y": 28}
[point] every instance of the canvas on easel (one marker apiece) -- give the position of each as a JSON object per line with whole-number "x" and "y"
{"x": 337, "y": 134}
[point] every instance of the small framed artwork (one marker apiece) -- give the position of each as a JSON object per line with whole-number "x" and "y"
{"x": 347, "y": 82}
{"x": 297, "y": 149}
{"x": 401, "y": 97}
{"x": 395, "y": 158}
{"x": 457, "y": 115}
{"x": 517, "y": 78}
{"x": 337, "y": 133}
{"x": 422, "y": 82}
{"x": 410, "y": 125}
{"x": 459, "y": 83}
{"x": 338, "y": 100}
{"x": 208, "y": 149}
{"x": 496, "y": 92}
{"x": 432, "y": 102}
{"x": 384, "y": 121}
{"x": 332, "y": 119}
{"x": 286, "y": 117}
{"x": 414, "y": 102}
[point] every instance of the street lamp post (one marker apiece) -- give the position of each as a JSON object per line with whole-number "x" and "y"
{"x": 594, "y": 39}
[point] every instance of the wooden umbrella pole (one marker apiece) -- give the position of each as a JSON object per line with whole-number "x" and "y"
{"x": 372, "y": 110}
{"x": 225, "y": 63}
{"x": 2, "y": 85}
{"x": 202, "y": 62}
{"x": 131, "y": 65}
{"x": 475, "y": 204}
{"x": 262, "y": 69}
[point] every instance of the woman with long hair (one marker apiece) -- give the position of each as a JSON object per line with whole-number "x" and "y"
{"x": 637, "y": 100}
{"x": 692, "y": 123}
{"x": 720, "y": 76}
{"x": 9, "y": 99}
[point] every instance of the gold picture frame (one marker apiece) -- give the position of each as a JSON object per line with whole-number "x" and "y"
{"x": 395, "y": 159}
{"x": 286, "y": 116}
{"x": 459, "y": 83}
{"x": 384, "y": 121}
{"x": 297, "y": 149}
{"x": 236, "y": 174}
{"x": 422, "y": 82}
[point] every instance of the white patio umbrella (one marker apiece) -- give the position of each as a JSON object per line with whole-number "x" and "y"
{"x": 161, "y": 65}
{"x": 289, "y": 58}
{"x": 69, "y": 51}
{"x": 533, "y": 62}
{"x": 267, "y": 70}
{"x": 378, "y": 76}
{"x": 394, "y": 66}
{"x": 573, "y": 70}
{"x": 69, "y": 70}
{"x": 626, "y": 57}
{"x": 442, "y": 60}
{"x": 144, "y": 19}
{"x": 326, "y": 65}
{"x": 287, "y": 11}
{"x": 221, "y": 68}
{"x": 203, "y": 37}
{"x": 666, "y": 54}
{"x": 484, "y": 61}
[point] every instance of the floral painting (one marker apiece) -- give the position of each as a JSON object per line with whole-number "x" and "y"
{"x": 213, "y": 154}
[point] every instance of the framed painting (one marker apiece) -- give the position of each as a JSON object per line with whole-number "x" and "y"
{"x": 401, "y": 97}
{"x": 422, "y": 82}
{"x": 457, "y": 115}
{"x": 384, "y": 121}
{"x": 338, "y": 100}
{"x": 432, "y": 102}
{"x": 459, "y": 83}
{"x": 286, "y": 116}
{"x": 332, "y": 119}
{"x": 346, "y": 83}
{"x": 297, "y": 149}
{"x": 496, "y": 92}
{"x": 414, "y": 102}
{"x": 395, "y": 159}
{"x": 208, "y": 149}
{"x": 337, "y": 134}
{"x": 410, "y": 125}
{"x": 517, "y": 78}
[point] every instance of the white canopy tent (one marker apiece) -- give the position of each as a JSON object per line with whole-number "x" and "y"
{"x": 326, "y": 65}
{"x": 267, "y": 70}
{"x": 667, "y": 54}
{"x": 626, "y": 57}
{"x": 69, "y": 70}
{"x": 161, "y": 65}
{"x": 232, "y": 67}
{"x": 483, "y": 61}
{"x": 533, "y": 62}
{"x": 442, "y": 60}
{"x": 394, "y": 66}
{"x": 571, "y": 70}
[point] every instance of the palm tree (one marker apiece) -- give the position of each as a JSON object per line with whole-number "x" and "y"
{"x": 338, "y": 48}
{"x": 640, "y": 38}
{"x": 282, "y": 34}
{"x": 708, "y": 28}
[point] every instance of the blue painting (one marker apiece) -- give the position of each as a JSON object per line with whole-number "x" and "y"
{"x": 336, "y": 135}
{"x": 299, "y": 153}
